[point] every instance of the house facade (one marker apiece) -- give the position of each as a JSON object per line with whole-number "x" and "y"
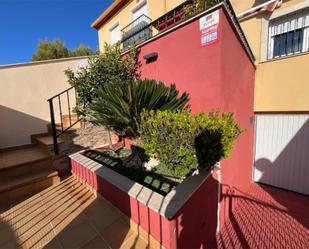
{"x": 278, "y": 34}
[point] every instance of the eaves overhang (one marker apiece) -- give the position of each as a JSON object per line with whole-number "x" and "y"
{"x": 108, "y": 13}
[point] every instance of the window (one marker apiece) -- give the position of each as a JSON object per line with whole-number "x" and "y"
{"x": 140, "y": 10}
{"x": 289, "y": 35}
{"x": 114, "y": 34}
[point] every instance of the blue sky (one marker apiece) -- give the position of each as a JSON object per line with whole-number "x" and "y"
{"x": 24, "y": 22}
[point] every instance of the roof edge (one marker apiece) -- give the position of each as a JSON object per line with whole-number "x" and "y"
{"x": 109, "y": 12}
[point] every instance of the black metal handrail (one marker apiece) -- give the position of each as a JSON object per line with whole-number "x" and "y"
{"x": 58, "y": 98}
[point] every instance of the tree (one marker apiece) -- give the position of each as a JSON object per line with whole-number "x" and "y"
{"x": 56, "y": 49}
{"x": 108, "y": 67}
{"x": 82, "y": 50}
{"x": 47, "y": 50}
{"x": 118, "y": 106}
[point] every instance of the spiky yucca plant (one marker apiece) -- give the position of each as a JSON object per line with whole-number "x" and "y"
{"x": 118, "y": 106}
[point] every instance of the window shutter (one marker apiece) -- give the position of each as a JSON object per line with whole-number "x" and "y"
{"x": 115, "y": 34}
{"x": 288, "y": 23}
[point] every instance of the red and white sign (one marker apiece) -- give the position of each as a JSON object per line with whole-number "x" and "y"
{"x": 209, "y": 28}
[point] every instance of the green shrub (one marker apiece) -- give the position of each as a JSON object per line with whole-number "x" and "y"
{"x": 198, "y": 6}
{"x": 184, "y": 142}
{"x": 108, "y": 67}
{"x": 118, "y": 106}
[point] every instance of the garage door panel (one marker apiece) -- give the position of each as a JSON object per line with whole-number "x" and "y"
{"x": 282, "y": 151}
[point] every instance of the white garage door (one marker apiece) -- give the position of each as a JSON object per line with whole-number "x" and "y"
{"x": 282, "y": 151}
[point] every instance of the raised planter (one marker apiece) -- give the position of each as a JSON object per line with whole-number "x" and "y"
{"x": 185, "y": 218}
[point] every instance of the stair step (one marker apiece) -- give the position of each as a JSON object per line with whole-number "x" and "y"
{"x": 11, "y": 173}
{"x": 48, "y": 140}
{"x": 20, "y": 181}
{"x": 19, "y": 188}
{"x": 45, "y": 141}
{"x": 74, "y": 128}
{"x": 20, "y": 157}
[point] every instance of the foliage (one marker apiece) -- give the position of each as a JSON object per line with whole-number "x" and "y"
{"x": 82, "y": 50}
{"x": 108, "y": 67}
{"x": 56, "y": 49}
{"x": 118, "y": 106}
{"x": 50, "y": 50}
{"x": 184, "y": 142}
{"x": 198, "y": 6}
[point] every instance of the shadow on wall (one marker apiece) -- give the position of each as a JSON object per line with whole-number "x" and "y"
{"x": 196, "y": 222}
{"x": 290, "y": 169}
{"x": 16, "y": 127}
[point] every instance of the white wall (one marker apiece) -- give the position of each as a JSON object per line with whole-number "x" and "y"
{"x": 24, "y": 90}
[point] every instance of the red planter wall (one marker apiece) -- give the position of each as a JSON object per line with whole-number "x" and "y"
{"x": 171, "y": 233}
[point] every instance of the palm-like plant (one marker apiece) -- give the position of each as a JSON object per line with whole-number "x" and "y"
{"x": 118, "y": 106}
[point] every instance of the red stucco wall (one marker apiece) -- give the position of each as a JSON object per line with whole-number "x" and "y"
{"x": 238, "y": 95}
{"x": 218, "y": 75}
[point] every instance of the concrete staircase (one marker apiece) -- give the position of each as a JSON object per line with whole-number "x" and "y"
{"x": 27, "y": 170}
{"x": 24, "y": 172}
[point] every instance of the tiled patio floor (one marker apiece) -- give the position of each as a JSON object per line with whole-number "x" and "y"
{"x": 267, "y": 217}
{"x": 66, "y": 215}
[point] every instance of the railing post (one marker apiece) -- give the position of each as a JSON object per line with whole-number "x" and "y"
{"x": 53, "y": 125}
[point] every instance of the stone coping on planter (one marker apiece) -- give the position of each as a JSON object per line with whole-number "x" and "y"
{"x": 166, "y": 206}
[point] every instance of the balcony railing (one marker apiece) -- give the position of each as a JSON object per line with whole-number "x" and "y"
{"x": 143, "y": 28}
{"x": 137, "y": 31}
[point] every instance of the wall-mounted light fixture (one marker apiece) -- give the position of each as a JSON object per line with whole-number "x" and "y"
{"x": 151, "y": 57}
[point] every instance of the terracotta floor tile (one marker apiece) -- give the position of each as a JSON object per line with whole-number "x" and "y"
{"x": 53, "y": 244}
{"x": 117, "y": 233}
{"x": 67, "y": 218}
{"x": 66, "y": 215}
{"x": 6, "y": 233}
{"x": 76, "y": 235}
{"x": 21, "y": 212}
{"x": 9, "y": 244}
{"x": 135, "y": 242}
{"x": 37, "y": 238}
{"x": 96, "y": 243}
{"x": 101, "y": 215}
{"x": 58, "y": 187}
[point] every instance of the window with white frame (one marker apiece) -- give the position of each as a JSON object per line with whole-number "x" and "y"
{"x": 141, "y": 9}
{"x": 289, "y": 35}
{"x": 114, "y": 35}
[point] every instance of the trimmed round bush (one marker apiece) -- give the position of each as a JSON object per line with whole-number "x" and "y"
{"x": 184, "y": 142}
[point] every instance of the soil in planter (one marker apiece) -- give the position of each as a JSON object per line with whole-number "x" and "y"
{"x": 151, "y": 179}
